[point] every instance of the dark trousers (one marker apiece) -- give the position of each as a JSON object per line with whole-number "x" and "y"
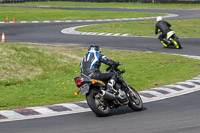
{"x": 162, "y": 36}
{"x": 104, "y": 76}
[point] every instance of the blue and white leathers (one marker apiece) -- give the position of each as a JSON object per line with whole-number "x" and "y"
{"x": 92, "y": 62}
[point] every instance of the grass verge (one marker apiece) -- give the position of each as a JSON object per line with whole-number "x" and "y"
{"x": 112, "y": 5}
{"x": 183, "y": 28}
{"x": 37, "y": 14}
{"x": 33, "y": 75}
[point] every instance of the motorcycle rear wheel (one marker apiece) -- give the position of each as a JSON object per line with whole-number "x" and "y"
{"x": 99, "y": 107}
{"x": 135, "y": 101}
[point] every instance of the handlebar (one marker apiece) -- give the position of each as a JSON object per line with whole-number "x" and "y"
{"x": 114, "y": 67}
{"x": 123, "y": 71}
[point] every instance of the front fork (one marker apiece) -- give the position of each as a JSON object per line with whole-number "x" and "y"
{"x": 123, "y": 82}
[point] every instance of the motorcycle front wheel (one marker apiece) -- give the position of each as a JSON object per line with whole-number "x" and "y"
{"x": 176, "y": 43}
{"x": 135, "y": 101}
{"x": 97, "y": 104}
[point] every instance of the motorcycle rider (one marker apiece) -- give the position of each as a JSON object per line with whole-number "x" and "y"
{"x": 164, "y": 28}
{"x": 90, "y": 66}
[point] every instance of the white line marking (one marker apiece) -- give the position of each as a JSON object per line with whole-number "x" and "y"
{"x": 35, "y": 21}
{"x": 108, "y": 34}
{"x": 23, "y": 22}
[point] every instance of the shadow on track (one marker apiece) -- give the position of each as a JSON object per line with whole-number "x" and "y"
{"x": 124, "y": 110}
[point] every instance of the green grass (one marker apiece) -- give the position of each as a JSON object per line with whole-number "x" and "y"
{"x": 183, "y": 28}
{"x": 36, "y": 14}
{"x": 112, "y": 5}
{"x": 33, "y": 75}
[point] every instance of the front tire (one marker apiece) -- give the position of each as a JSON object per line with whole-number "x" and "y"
{"x": 135, "y": 101}
{"x": 176, "y": 43}
{"x": 98, "y": 105}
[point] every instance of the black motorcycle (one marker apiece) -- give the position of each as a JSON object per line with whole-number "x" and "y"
{"x": 101, "y": 101}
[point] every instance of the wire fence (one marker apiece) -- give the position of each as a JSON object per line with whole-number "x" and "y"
{"x": 142, "y": 1}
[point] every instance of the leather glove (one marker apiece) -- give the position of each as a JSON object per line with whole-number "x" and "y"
{"x": 117, "y": 63}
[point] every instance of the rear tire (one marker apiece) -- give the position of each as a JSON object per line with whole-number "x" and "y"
{"x": 99, "y": 107}
{"x": 135, "y": 101}
{"x": 164, "y": 44}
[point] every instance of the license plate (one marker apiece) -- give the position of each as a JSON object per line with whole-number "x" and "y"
{"x": 84, "y": 89}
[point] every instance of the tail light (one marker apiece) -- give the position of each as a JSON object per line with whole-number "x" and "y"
{"x": 78, "y": 82}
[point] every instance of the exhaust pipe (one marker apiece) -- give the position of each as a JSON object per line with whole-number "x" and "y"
{"x": 107, "y": 95}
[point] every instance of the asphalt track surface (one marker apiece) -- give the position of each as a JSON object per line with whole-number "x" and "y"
{"x": 174, "y": 115}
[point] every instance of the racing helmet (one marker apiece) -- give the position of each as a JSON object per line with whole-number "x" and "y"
{"x": 159, "y": 18}
{"x": 94, "y": 48}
